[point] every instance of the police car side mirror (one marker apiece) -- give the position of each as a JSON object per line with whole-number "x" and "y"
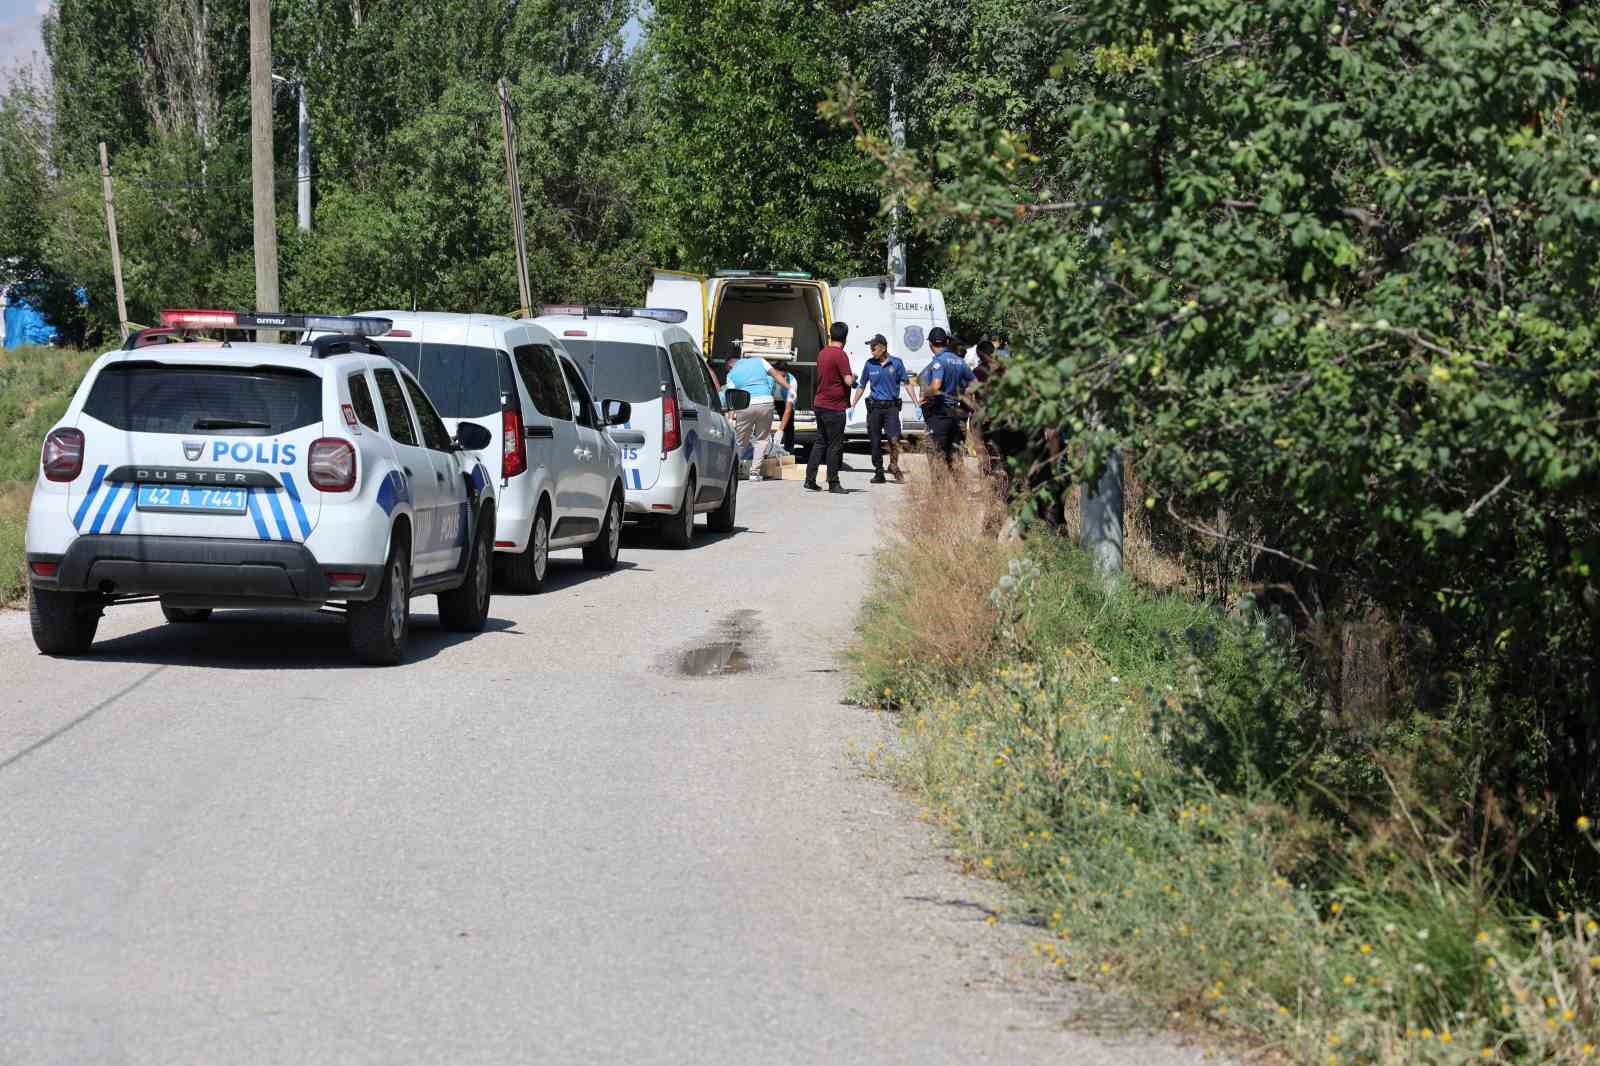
{"x": 616, "y": 412}
{"x": 737, "y": 399}
{"x": 473, "y": 437}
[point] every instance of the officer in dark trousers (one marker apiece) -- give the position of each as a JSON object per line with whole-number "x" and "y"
{"x": 882, "y": 377}
{"x": 944, "y": 380}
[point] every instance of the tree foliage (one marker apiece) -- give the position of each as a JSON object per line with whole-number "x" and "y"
{"x": 1330, "y": 270}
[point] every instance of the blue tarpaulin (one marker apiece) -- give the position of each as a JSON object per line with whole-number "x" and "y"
{"x": 25, "y": 324}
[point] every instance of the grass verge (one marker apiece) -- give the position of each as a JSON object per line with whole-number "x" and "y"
{"x": 36, "y": 384}
{"x": 1070, "y": 738}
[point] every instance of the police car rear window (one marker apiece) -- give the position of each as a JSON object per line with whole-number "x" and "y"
{"x": 615, "y": 370}
{"x": 224, "y": 401}
{"x": 462, "y": 381}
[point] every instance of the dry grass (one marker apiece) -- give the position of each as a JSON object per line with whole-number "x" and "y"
{"x": 937, "y": 571}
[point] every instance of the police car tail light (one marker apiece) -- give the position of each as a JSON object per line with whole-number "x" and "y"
{"x": 344, "y": 578}
{"x": 62, "y": 458}
{"x": 331, "y": 465}
{"x": 671, "y": 431}
{"x": 514, "y": 449}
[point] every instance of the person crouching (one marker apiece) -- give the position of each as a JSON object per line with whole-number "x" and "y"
{"x": 752, "y": 426}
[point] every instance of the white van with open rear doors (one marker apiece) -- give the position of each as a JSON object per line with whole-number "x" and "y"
{"x": 729, "y": 300}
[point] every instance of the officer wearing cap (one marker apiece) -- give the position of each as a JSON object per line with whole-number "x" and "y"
{"x": 882, "y": 377}
{"x": 944, "y": 380}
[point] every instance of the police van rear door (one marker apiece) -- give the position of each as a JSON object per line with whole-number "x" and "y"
{"x": 195, "y": 449}
{"x": 632, "y": 366}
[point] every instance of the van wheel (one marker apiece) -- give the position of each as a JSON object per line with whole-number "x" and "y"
{"x": 63, "y": 623}
{"x": 526, "y": 571}
{"x": 186, "y": 615}
{"x": 678, "y": 530}
{"x": 721, "y": 520}
{"x": 465, "y": 608}
{"x": 378, "y": 626}
{"x": 602, "y": 554}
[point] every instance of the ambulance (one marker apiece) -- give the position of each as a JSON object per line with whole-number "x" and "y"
{"x": 725, "y": 302}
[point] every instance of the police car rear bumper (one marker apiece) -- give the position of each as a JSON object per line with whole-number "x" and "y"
{"x": 201, "y": 571}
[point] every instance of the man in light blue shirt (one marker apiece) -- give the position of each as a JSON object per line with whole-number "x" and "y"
{"x": 752, "y": 426}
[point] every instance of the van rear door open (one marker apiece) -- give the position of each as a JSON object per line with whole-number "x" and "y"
{"x": 680, "y": 291}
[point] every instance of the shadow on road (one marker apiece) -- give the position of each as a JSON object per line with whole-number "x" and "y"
{"x": 569, "y": 573}
{"x": 273, "y": 640}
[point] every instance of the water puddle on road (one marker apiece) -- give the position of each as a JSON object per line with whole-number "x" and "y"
{"x": 729, "y": 649}
{"x": 713, "y": 660}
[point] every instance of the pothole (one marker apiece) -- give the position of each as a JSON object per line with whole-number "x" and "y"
{"x": 731, "y": 647}
{"x": 714, "y": 660}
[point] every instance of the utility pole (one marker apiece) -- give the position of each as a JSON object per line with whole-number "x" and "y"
{"x": 302, "y": 165}
{"x": 897, "y": 136}
{"x": 514, "y": 183}
{"x": 266, "y": 235}
{"x": 1102, "y": 519}
{"x": 116, "y": 249}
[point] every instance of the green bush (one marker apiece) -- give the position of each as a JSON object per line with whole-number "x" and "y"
{"x": 1144, "y": 772}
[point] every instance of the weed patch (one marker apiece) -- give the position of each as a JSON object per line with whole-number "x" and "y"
{"x": 1145, "y": 771}
{"x": 36, "y": 384}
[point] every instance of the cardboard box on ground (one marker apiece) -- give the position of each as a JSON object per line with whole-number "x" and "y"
{"x": 768, "y": 342}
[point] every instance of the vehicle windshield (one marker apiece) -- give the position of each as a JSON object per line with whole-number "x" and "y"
{"x": 227, "y": 401}
{"x": 462, "y": 381}
{"x": 617, "y": 370}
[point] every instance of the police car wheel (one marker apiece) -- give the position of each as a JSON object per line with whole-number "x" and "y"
{"x": 721, "y": 520}
{"x": 525, "y": 571}
{"x": 464, "y": 609}
{"x": 678, "y": 530}
{"x": 63, "y": 623}
{"x": 185, "y": 615}
{"x": 378, "y": 626}
{"x": 602, "y": 554}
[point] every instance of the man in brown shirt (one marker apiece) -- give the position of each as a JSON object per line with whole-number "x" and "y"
{"x": 831, "y": 401}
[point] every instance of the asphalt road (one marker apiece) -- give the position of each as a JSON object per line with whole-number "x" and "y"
{"x": 545, "y": 843}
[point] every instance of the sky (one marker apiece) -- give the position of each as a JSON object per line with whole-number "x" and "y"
{"x": 19, "y": 33}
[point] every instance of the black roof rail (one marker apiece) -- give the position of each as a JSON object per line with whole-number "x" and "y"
{"x": 144, "y": 338}
{"x": 341, "y": 343}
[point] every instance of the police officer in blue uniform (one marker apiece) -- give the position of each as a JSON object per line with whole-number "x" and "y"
{"x": 882, "y": 377}
{"x": 944, "y": 380}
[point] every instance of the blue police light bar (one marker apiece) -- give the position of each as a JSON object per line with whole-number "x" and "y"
{"x": 670, "y": 315}
{"x": 254, "y": 321}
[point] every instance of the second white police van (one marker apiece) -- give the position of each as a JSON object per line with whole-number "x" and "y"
{"x": 679, "y": 455}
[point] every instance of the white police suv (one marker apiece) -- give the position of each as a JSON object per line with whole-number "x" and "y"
{"x": 558, "y": 474}
{"x": 678, "y": 452}
{"x": 240, "y": 474}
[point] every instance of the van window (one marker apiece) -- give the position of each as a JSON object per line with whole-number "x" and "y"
{"x": 615, "y": 370}
{"x": 462, "y": 380}
{"x": 394, "y": 408}
{"x": 149, "y": 397}
{"x": 687, "y": 360}
{"x": 542, "y": 376}
{"x": 582, "y": 405}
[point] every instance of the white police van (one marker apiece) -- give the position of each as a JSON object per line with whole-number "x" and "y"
{"x": 678, "y": 443}
{"x": 214, "y": 474}
{"x": 559, "y": 475}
